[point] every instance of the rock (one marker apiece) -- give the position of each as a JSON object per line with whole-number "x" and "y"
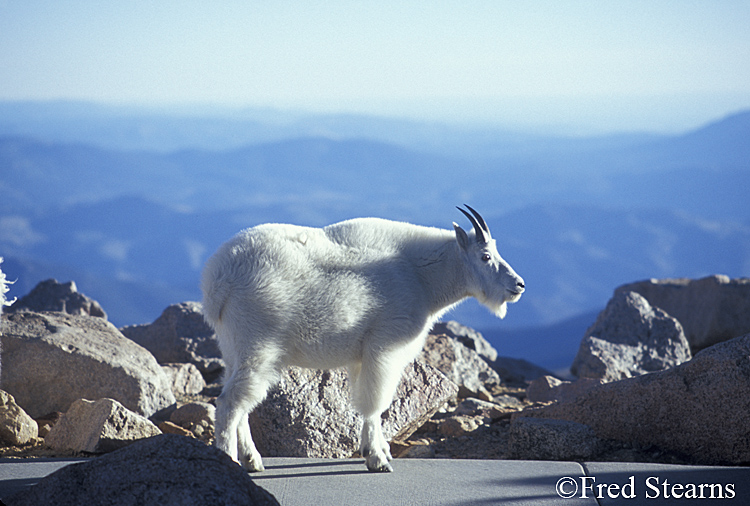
{"x": 98, "y": 426}
{"x": 53, "y": 359}
{"x": 416, "y": 450}
{"x": 458, "y": 425}
{"x": 194, "y": 412}
{"x": 16, "y": 427}
{"x": 541, "y": 439}
{"x": 180, "y": 335}
{"x": 168, "y": 427}
{"x": 518, "y": 370}
{"x": 468, "y": 337}
{"x": 422, "y": 391}
{"x": 476, "y": 407}
{"x": 46, "y": 422}
{"x": 185, "y": 379}
{"x": 50, "y": 295}
{"x": 197, "y": 417}
{"x": 460, "y": 364}
{"x": 630, "y": 338}
{"x": 506, "y": 402}
{"x": 308, "y": 414}
{"x": 548, "y": 388}
{"x": 697, "y": 409}
{"x": 711, "y": 309}
{"x": 167, "y": 470}
{"x": 540, "y": 390}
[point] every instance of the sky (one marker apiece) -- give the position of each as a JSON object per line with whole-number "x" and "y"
{"x": 656, "y": 65}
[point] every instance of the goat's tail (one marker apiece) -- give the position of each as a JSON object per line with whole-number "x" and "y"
{"x": 215, "y": 294}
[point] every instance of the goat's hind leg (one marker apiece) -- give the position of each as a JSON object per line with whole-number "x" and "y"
{"x": 242, "y": 392}
{"x": 250, "y": 458}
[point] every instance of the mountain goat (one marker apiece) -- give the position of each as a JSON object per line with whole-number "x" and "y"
{"x": 362, "y": 294}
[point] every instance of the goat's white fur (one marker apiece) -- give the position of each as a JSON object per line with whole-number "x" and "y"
{"x": 361, "y": 294}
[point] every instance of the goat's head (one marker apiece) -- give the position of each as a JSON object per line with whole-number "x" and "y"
{"x": 492, "y": 280}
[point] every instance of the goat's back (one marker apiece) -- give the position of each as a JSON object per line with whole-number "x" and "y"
{"x": 278, "y": 264}
{"x": 261, "y": 257}
{"x": 317, "y": 293}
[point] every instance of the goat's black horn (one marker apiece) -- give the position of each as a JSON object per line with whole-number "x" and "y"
{"x": 479, "y": 219}
{"x": 478, "y": 229}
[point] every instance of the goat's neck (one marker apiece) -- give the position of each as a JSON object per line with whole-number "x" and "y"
{"x": 443, "y": 276}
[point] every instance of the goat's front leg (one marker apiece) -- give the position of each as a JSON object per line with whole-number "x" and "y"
{"x": 373, "y": 384}
{"x": 373, "y": 446}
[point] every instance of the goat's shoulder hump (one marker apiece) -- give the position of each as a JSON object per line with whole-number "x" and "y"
{"x": 376, "y": 233}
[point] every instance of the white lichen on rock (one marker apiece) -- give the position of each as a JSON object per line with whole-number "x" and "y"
{"x": 4, "y": 288}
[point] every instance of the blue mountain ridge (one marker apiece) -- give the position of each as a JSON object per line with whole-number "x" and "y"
{"x": 133, "y": 227}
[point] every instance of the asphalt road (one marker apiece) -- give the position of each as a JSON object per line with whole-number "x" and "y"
{"x": 328, "y": 482}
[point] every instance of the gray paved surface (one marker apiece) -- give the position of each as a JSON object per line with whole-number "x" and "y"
{"x": 17, "y": 474}
{"x": 416, "y": 482}
{"x": 312, "y": 482}
{"x": 721, "y": 485}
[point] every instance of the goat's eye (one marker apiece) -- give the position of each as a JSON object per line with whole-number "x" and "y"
{"x": 486, "y": 257}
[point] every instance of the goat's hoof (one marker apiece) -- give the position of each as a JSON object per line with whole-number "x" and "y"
{"x": 253, "y": 465}
{"x": 384, "y": 468}
{"x": 376, "y": 465}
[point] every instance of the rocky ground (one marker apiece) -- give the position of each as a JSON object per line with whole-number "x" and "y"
{"x": 650, "y": 387}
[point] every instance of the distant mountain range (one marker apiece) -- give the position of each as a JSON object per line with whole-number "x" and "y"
{"x": 702, "y": 172}
{"x": 132, "y": 217}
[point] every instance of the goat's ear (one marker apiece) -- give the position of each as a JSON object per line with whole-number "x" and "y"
{"x": 461, "y": 237}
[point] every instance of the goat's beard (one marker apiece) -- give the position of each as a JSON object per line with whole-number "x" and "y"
{"x": 499, "y": 310}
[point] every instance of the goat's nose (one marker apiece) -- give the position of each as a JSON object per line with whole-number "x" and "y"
{"x": 520, "y": 285}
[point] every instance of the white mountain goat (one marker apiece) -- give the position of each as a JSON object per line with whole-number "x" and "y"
{"x": 361, "y": 293}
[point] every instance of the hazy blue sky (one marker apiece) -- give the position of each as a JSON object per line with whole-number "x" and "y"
{"x": 651, "y": 64}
